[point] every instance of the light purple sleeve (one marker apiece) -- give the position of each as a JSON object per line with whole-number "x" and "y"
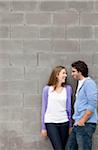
{"x": 44, "y": 104}
{"x": 69, "y": 104}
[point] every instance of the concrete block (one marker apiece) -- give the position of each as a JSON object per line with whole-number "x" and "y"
{"x": 11, "y": 114}
{"x": 23, "y": 59}
{"x": 38, "y": 18}
{"x": 18, "y": 87}
{"x": 31, "y": 100}
{"x": 4, "y": 60}
{"x": 65, "y": 45}
{"x": 23, "y": 5}
{"x": 11, "y": 73}
{"x": 10, "y": 140}
{"x": 11, "y": 100}
{"x": 51, "y": 59}
{"x": 32, "y": 113}
{"x": 88, "y": 46}
{"x": 10, "y": 46}
{"x": 89, "y": 19}
{"x": 95, "y": 71}
{"x": 4, "y": 32}
{"x": 95, "y": 139}
{"x": 79, "y": 32}
{"x": 31, "y": 126}
{"x": 11, "y": 18}
{"x": 67, "y": 18}
{"x": 80, "y": 6}
{"x": 53, "y": 32}
{"x": 96, "y": 6}
{"x": 96, "y": 32}
{"x": 15, "y": 126}
{"x": 95, "y": 58}
{"x": 36, "y": 45}
{"x": 36, "y": 144}
{"x": 24, "y": 32}
{"x": 53, "y": 6}
{"x": 4, "y": 6}
{"x": 36, "y": 73}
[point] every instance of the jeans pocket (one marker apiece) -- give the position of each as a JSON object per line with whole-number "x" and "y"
{"x": 90, "y": 129}
{"x": 81, "y": 130}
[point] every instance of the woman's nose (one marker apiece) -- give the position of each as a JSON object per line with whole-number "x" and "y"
{"x": 65, "y": 75}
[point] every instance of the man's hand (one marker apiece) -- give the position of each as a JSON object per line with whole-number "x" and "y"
{"x": 86, "y": 116}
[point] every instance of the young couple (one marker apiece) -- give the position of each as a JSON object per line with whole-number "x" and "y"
{"x": 57, "y": 109}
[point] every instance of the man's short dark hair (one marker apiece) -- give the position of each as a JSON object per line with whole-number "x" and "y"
{"x": 81, "y": 66}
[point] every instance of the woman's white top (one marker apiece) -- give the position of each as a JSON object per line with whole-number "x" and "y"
{"x": 56, "y": 108}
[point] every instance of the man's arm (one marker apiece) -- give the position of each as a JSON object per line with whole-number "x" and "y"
{"x": 84, "y": 118}
{"x": 91, "y": 93}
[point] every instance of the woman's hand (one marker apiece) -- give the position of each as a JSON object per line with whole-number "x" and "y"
{"x": 44, "y": 133}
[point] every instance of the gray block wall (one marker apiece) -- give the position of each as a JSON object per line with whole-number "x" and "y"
{"x": 35, "y": 36}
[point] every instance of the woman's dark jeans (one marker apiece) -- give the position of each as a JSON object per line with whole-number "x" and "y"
{"x": 81, "y": 137}
{"x": 58, "y": 134}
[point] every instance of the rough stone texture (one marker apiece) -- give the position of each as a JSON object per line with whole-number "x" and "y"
{"x": 35, "y": 36}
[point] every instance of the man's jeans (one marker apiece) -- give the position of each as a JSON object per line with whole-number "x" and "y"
{"x": 58, "y": 134}
{"x": 81, "y": 137}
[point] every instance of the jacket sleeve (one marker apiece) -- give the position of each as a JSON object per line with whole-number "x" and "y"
{"x": 44, "y": 104}
{"x": 91, "y": 93}
{"x": 69, "y": 104}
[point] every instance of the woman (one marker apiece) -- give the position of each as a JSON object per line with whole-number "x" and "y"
{"x": 56, "y": 108}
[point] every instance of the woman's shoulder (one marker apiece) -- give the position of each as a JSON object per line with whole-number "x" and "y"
{"x": 45, "y": 88}
{"x": 68, "y": 86}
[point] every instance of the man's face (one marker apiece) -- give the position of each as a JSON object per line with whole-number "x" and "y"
{"x": 75, "y": 74}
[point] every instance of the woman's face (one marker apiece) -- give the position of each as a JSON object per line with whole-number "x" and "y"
{"x": 62, "y": 76}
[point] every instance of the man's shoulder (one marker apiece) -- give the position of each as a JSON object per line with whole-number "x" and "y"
{"x": 90, "y": 83}
{"x": 90, "y": 80}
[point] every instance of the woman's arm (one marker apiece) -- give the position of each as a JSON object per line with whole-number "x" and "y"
{"x": 69, "y": 104}
{"x": 44, "y": 104}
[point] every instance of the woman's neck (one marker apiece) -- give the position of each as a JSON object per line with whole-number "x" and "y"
{"x": 58, "y": 88}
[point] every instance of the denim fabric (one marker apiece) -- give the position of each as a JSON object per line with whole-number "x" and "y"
{"x": 86, "y": 99}
{"x": 81, "y": 137}
{"x": 58, "y": 134}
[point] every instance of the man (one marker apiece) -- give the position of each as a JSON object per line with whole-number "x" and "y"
{"x": 85, "y": 114}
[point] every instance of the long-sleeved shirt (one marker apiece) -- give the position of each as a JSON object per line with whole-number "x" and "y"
{"x": 45, "y": 103}
{"x": 86, "y": 99}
